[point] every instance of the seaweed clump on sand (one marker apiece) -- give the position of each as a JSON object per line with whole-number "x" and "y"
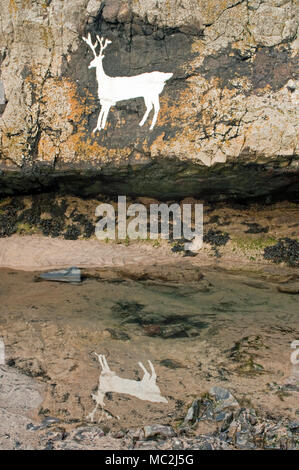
{"x": 84, "y": 222}
{"x": 72, "y": 232}
{"x": 46, "y": 214}
{"x": 8, "y": 216}
{"x": 286, "y": 250}
{"x": 52, "y": 227}
{"x": 216, "y": 238}
{"x": 7, "y": 225}
{"x": 255, "y": 228}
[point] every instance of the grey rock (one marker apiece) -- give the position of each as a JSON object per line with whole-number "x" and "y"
{"x": 124, "y": 14}
{"x": 72, "y": 275}
{"x": 158, "y": 431}
{"x": 220, "y": 393}
{"x": 244, "y": 440}
{"x": 192, "y": 413}
{"x": 294, "y": 426}
{"x": 223, "y": 398}
{"x": 87, "y": 433}
{"x": 110, "y": 10}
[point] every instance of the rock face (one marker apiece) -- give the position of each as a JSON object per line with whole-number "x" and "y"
{"x": 227, "y": 126}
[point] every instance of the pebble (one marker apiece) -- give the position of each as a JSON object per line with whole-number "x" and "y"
{"x": 156, "y": 430}
{"x": 192, "y": 413}
{"x": 223, "y": 398}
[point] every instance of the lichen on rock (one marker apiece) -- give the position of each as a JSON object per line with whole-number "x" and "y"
{"x": 231, "y": 103}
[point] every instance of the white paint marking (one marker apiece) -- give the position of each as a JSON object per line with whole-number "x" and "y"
{"x": 145, "y": 389}
{"x": 2, "y": 352}
{"x": 114, "y": 89}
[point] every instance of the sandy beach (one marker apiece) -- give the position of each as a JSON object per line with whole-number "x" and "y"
{"x": 223, "y": 317}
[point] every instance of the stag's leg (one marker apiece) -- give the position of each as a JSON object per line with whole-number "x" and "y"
{"x": 156, "y": 104}
{"x": 154, "y": 375}
{"x": 107, "y": 368}
{"x": 100, "y": 358}
{"x": 103, "y": 362}
{"x": 149, "y": 106}
{"x": 99, "y": 399}
{"x": 98, "y": 128}
{"x": 146, "y": 374}
{"x": 105, "y": 115}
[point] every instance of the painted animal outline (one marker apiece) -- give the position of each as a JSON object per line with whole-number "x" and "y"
{"x": 2, "y": 352}
{"x": 295, "y": 354}
{"x": 109, "y": 381}
{"x": 114, "y": 89}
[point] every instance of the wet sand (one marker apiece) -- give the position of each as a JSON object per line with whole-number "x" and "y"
{"x": 202, "y": 321}
{"x": 226, "y": 329}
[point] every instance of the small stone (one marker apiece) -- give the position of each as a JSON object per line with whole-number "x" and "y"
{"x": 171, "y": 364}
{"x": 49, "y": 446}
{"x": 72, "y": 275}
{"x": 192, "y": 413}
{"x": 174, "y": 331}
{"x": 93, "y": 7}
{"x": 111, "y": 10}
{"x": 289, "y": 288}
{"x": 158, "y": 431}
{"x": 118, "y": 434}
{"x": 220, "y": 393}
{"x": 291, "y": 85}
{"x": 244, "y": 440}
{"x": 138, "y": 434}
{"x": 223, "y": 398}
{"x": 294, "y": 426}
{"x": 149, "y": 445}
{"x": 124, "y": 14}
{"x": 177, "y": 444}
{"x": 118, "y": 334}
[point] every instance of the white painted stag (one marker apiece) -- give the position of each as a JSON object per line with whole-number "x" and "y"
{"x": 114, "y": 89}
{"x": 145, "y": 389}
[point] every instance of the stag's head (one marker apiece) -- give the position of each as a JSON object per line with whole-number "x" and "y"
{"x": 103, "y": 44}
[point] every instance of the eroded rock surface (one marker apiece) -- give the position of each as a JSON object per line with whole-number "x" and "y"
{"x": 228, "y": 121}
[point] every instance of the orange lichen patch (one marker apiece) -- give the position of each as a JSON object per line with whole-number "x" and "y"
{"x": 234, "y": 146}
{"x": 46, "y": 35}
{"x": 47, "y": 151}
{"x": 212, "y": 10}
{"x": 36, "y": 77}
{"x": 198, "y": 46}
{"x": 199, "y": 100}
{"x": 63, "y": 119}
{"x": 174, "y": 111}
{"x": 62, "y": 109}
{"x": 61, "y": 103}
{"x": 199, "y": 112}
{"x": 244, "y": 43}
{"x": 82, "y": 148}
{"x": 264, "y": 90}
{"x": 13, "y": 8}
{"x": 13, "y": 143}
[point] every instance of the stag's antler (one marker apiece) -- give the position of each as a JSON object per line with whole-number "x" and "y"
{"x": 103, "y": 44}
{"x": 89, "y": 43}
